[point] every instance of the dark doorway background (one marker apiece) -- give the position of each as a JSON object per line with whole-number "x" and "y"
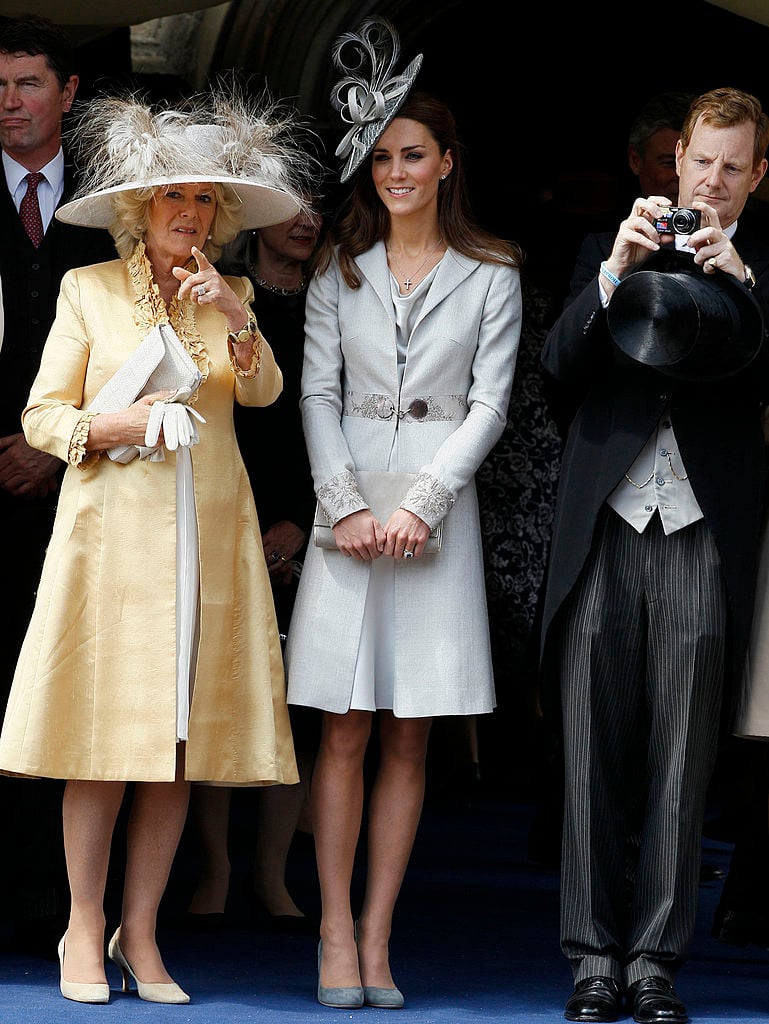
{"x": 544, "y": 104}
{"x": 549, "y": 102}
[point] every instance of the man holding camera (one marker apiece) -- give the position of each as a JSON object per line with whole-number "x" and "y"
{"x": 649, "y": 592}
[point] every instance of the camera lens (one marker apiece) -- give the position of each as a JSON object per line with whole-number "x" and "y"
{"x": 684, "y": 221}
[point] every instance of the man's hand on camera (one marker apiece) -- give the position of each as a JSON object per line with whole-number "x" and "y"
{"x": 714, "y": 251}
{"x": 637, "y": 236}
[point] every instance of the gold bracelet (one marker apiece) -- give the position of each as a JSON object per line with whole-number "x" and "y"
{"x": 248, "y": 333}
{"x": 256, "y": 340}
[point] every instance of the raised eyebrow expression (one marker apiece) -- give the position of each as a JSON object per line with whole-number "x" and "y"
{"x": 729, "y": 165}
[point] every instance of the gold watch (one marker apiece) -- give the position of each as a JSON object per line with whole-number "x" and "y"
{"x": 750, "y": 278}
{"x": 247, "y": 333}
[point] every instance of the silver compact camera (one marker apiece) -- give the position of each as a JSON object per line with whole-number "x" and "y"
{"x": 677, "y": 220}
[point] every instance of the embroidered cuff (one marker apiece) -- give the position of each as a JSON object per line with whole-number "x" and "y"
{"x": 340, "y": 497}
{"x": 429, "y": 499}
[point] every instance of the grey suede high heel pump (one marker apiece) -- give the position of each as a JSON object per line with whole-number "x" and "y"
{"x": 345, "y": 998}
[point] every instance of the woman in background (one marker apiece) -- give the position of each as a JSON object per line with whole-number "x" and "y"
{"x": 275, "y": 259}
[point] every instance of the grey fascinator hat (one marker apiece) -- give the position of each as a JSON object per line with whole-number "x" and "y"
{"x": 124, "y": 144}
{"x": 370, "y": 94}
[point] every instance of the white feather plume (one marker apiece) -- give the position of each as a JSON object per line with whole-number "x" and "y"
{"x": 221, "y": 133}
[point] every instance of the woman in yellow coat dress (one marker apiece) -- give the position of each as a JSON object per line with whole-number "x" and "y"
{"x": 153, "y": 654}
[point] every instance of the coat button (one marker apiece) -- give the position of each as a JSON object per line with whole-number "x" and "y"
{"x": 418, "y": 408}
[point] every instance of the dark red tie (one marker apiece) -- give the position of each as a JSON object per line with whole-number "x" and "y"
{"x": 29, "y": 211}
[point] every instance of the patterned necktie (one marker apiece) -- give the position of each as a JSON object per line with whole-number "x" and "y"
{"x": 29, "y": 211}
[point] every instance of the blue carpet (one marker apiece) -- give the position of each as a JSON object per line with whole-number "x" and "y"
{"x": 475, "y": 939}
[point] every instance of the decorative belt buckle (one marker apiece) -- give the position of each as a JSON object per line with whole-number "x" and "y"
{"x": 418, "y": 409}
{"x": 385, "y": 408}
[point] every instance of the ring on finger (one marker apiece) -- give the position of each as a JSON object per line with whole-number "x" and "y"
{"x": 200, "y": 290}
{"x": 713, "y": 261}
{"x": 408, "y": 554}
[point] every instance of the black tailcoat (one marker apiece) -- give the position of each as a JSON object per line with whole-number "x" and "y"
{"x": 618, "y": 404}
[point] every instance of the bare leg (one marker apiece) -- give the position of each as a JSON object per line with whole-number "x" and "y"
{"x": 210, "y": 808}
{"x": 155, "y": 826}
{"x": 394, "y": 812}
{"x": 278, "y": 811}
{"x": 337, "y": 808}
{"x": 89, "y": 811}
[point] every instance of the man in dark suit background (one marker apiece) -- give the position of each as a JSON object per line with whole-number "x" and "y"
{"x": 650, "y": 584}
{"x": 37, "y": 88}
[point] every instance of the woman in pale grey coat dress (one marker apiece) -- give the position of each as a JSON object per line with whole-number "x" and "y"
{"x": 411, "y": 332}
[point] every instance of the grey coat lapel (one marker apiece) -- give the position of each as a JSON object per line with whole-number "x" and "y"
{"x": 453, "y": 270}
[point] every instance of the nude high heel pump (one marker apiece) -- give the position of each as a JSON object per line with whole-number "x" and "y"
{"x": 157, "y": 992}
{"x": 81, "y": 992}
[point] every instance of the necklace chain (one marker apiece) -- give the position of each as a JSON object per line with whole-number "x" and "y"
{"x": 276, "y": 288}
{"x": 409, "y": 280}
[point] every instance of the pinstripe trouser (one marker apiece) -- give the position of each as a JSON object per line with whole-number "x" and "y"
{"x": 641, "y": 661}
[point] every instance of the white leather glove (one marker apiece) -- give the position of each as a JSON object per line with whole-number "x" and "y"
{"x": 178, "y": 427}
{"x": 176, "y": 420}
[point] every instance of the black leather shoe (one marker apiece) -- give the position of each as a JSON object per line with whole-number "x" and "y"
{"x": 655, "y": 1002}
{"x": 738, "y": 928}
{"x": 594, "y": 999}
{"x": 710, "y": 873}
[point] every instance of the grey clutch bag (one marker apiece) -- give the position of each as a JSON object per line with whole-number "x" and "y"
{"x": 160, "y": 363}
{"x": 383, "y": 493}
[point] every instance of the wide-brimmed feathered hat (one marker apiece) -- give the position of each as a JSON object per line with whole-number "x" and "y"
{"x": 670, "y": 315}
{"x": 370, "y": 94}
{"x": 123, "y": 144}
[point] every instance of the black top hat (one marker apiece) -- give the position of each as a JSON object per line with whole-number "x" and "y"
{"x": 668, "y": 314}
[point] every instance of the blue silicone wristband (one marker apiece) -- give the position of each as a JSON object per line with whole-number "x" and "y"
{"x": 608, "y": 274}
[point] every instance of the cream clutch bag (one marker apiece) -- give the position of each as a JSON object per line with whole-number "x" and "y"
{"x": 383, "y": 493}
{"x": 160, "y": 362}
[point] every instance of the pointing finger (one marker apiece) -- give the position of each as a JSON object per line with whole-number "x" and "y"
{"x": 202, "y": 260}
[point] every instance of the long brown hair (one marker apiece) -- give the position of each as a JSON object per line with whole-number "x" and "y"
{"x": 364, "y": 220}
